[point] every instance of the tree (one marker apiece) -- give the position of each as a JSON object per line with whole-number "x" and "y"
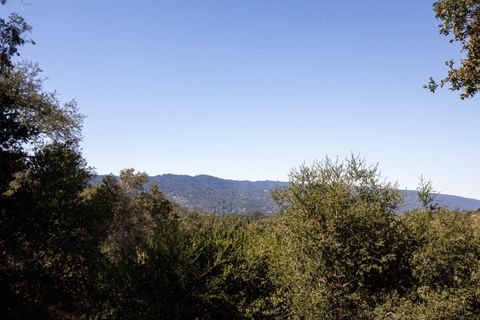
{"x": 427, "y": 195}
{"x": 340, "y": 242}
{"x": 12, "y": 36}
{"x": 50, "y": 231}
{"x": 166, "y": 263}
{"x": 135, "y": 213}
{"x": 444, "y": 259}
{"x": 29, "y": 115}
{"x": 460, "y": 19}
{"x": 49, "y": 237}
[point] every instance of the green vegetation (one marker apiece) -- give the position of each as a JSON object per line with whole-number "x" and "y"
{"x": 118, "y": 250}
{"x": 461, "y": 20}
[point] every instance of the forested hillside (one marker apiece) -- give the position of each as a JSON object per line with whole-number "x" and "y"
{"x": 220, "y": 196}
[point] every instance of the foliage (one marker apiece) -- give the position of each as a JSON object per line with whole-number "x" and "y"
{"x": 186, "y": 265}
{"x": 445, "y": 264}
{"x": 30, "y": 118}
{"x": 12, "y": 36}
{"x": 461, "y": 20}
{"x": 340, "y": 240}
{"x": 49, "y": 235}
{"x": 232, "y": 263}
{"x": 32, "y": 115}
{"x": 427, "y": 195}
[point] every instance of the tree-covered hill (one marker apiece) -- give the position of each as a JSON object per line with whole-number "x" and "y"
{"x": 221, "y": 196}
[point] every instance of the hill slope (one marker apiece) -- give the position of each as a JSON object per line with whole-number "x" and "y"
{"x": 217, "y": 195}
{"x": 221, "y": 196}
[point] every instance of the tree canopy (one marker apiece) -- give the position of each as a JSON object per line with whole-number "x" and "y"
{"x": 12, "y": 35}
{"x": 460, "y": 20}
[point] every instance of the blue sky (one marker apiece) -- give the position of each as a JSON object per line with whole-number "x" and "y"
{"x": 248, "y": 89}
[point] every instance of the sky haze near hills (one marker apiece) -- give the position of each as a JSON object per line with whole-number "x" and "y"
{"x": 250, "y": 89}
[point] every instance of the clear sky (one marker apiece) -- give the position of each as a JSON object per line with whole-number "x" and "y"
{"x": 248, "y": 89}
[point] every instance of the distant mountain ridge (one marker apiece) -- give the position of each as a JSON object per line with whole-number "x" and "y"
{"x": 221, "y": 196}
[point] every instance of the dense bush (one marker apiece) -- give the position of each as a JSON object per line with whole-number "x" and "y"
{"x": 183, "y": 265}
{"x": 340, "y": 241}
{"x": 445, "y": 263}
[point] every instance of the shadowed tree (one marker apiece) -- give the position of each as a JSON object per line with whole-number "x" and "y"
{"x": 12, "y": 35}
{"x": 49, "y": 232}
